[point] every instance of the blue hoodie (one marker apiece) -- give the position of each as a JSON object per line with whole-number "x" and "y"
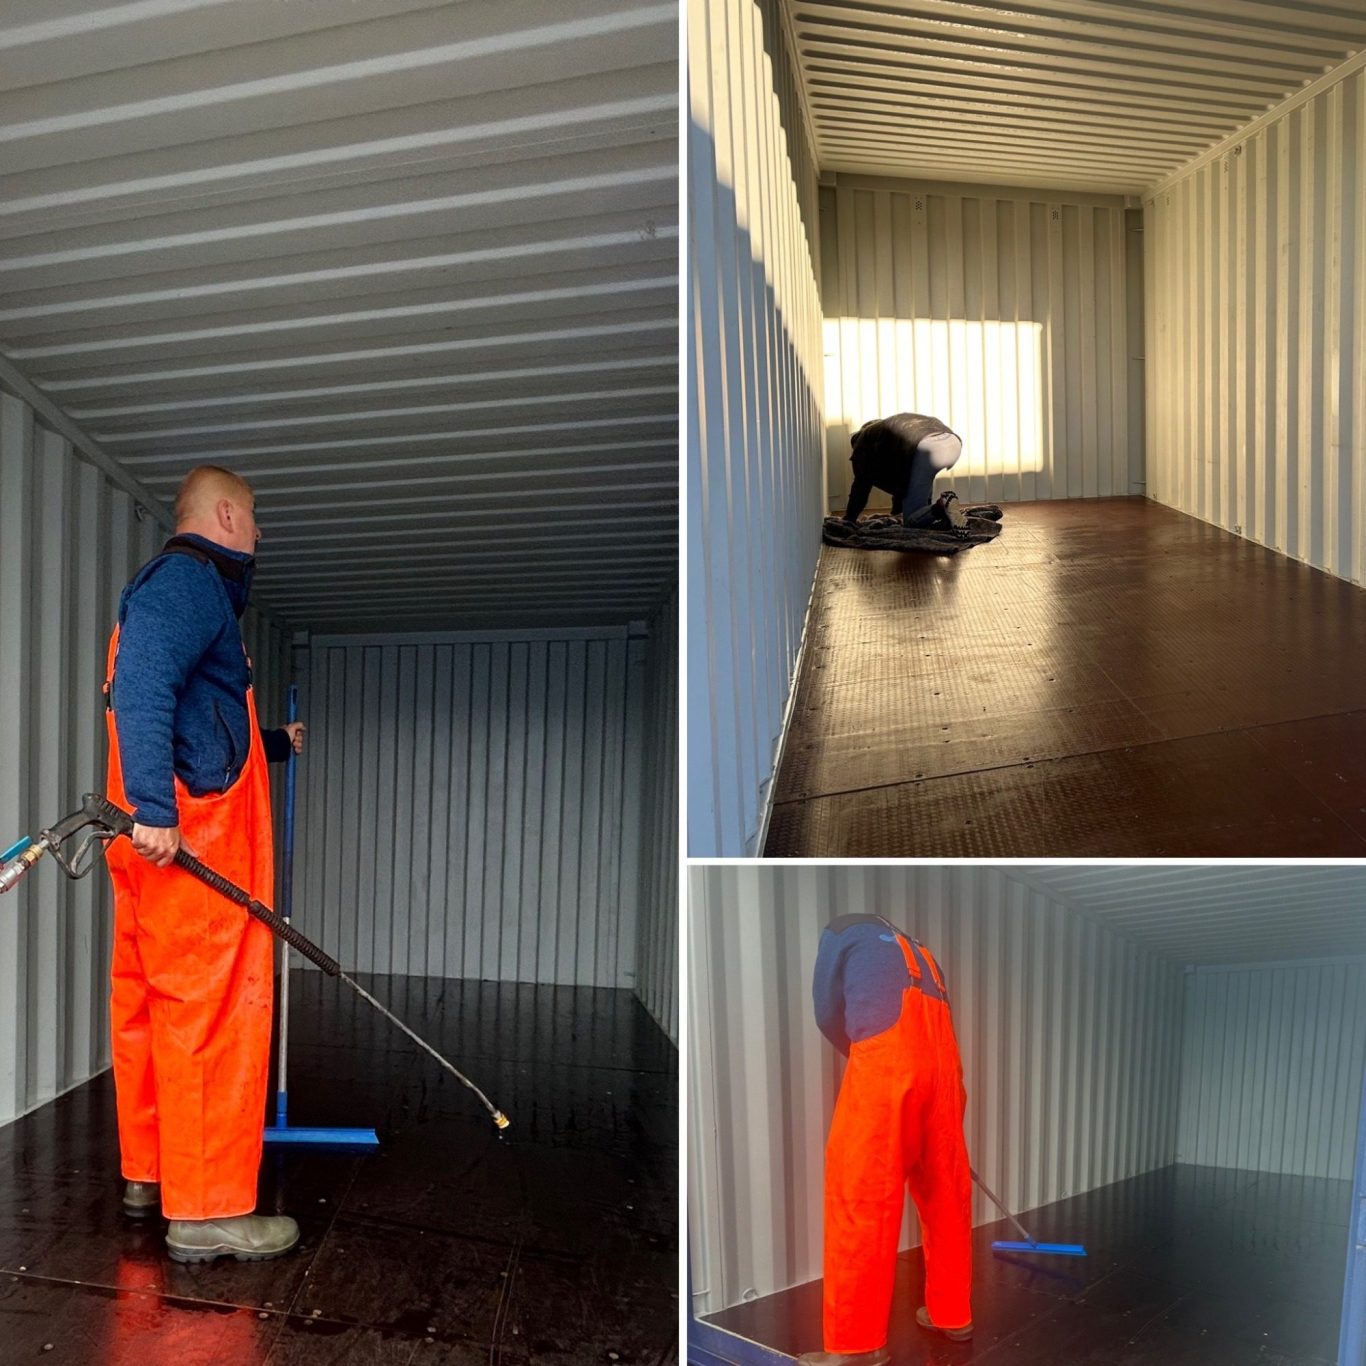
{"x": 180, "y": 681}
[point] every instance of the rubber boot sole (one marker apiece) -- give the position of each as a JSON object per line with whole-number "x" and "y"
{"x": 145, "y": 1209}
{"x": 212, "y": 1254}
{"x": 922, "y": 1317}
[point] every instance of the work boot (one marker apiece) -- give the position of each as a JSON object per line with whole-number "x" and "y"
{"x": 142, "y": 1199}
{"x": 248, "y": 1237}
{"x": 922, "y": 1317}
{"x": 879, "y": 1358}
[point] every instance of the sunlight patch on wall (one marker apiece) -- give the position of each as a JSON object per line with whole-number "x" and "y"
{"x": 985, "y": 379}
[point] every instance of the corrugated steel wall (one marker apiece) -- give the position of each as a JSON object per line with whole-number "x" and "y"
{"x": 754, "y": 425}
{"x": 656, "y": 749}
{"x": 1014, "y": 316}
{"x": 1272, "y": 1065}
{"x": 1070, "y": 1038}
{"x": 1257, "y": 367}
{"x": 69, "y": 541}
{"x": 462, "y": 811}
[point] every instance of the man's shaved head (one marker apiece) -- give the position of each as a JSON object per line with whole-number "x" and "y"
{"x": 219, "y": 505}
{"x": 202, "y": 488}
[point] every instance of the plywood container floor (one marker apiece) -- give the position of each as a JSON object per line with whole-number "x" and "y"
{"x": 449, "y": 1245}
{"x": 1187, "y": 1266}
{"x": 1110, "y": 678}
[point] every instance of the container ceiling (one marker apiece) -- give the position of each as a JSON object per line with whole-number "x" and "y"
{"x": 1228, "y": 915}
{"x": 1079, "y": 94}
{"x": 411, "y": 267}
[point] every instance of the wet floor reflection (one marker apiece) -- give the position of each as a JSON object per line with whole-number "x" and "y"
{"x": 1185, "y": 1265}
{"x": 1071, "y": 667}
{"x": 556, "y": 1243}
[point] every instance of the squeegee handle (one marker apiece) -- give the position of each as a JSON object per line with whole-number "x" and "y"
{"x": 296, "y": 941}
{"x": 987, "y": 1191}
{"x": 287, "y": 877}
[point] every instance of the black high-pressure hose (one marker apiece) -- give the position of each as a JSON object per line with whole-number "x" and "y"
{"x": 110, "y": 821}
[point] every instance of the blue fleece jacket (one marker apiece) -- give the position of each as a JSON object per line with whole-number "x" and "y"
{"x": 180, "y": 682}
{"x": 859, "y": 979}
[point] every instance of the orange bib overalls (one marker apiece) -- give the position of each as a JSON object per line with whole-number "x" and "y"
{"x": 898, "y": 1122}
{"x": 192, "y": 987}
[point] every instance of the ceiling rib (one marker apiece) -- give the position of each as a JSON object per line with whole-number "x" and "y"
{"x": 1111, "y": 97}
{"x": 410, "y": 266}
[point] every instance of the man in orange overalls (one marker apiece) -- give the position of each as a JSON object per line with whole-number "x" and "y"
{"x": 192, "y": 972}
{"x": 880, "y": 999}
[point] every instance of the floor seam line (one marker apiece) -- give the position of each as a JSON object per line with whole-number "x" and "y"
{"x": 150, "y": 1292}
{"x": 327, "y": 1233}
{"x": 991, "y": 768}
{"x": 1055, "y": 759}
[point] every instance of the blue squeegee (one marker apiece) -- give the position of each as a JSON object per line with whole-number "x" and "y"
{"x": 281, "y": 1133}
{"x": 1028, "y": 1244}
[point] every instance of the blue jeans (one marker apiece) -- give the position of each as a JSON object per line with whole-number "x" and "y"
{"x": 915, "y": 507}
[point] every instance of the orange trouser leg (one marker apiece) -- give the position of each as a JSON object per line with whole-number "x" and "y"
{"x": 940, "y": 1182}
{"x": 131, "y": 1035}
{"x": 864, "y": 1199}
{"x": 211, "y": 1050}
{"x": 207, "y": 970}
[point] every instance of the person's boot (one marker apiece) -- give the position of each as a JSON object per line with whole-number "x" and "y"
{"x": 248, "y": 1237}
{"x": 881, "y": 1357}
{"x": 922, "y": 1317}
{"x": 141, "y": 1199}
{"x": 951, "y": 510}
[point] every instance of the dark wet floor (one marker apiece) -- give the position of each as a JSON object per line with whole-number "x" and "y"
{"x": 1186, "y": 1266}
{"x": 1109, "y": 678}
{"x": 558, "y": 1243}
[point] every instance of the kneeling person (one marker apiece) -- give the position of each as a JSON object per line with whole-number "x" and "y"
{"x": 902, "y": 455}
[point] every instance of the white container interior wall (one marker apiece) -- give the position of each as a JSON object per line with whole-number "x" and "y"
{"x": 1272, "y": 1062}
{"x": 1070, "y": 1037}
{"x": 472, "y": 805}
{"x": 1257, "y": 302}
{"x": 1015, "y": 316}
{"x": 69, "y": 541}
{"x": 755, "y": 431}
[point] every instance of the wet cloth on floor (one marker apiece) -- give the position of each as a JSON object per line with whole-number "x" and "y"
{"x": 882, "y": 531}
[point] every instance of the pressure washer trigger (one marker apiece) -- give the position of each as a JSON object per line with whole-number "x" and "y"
{"x": 16, "y": 848}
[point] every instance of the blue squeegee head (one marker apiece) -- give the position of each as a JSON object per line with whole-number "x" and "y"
{"x": 1052, "y": 1249}
{"x": 304, "y": 1137}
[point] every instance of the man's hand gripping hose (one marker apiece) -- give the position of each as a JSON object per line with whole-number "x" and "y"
{"x": 106, "y": 822}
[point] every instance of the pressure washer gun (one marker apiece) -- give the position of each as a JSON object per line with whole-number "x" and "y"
{"x": 18, "y": 860}
{"x": 110, "y": 821}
